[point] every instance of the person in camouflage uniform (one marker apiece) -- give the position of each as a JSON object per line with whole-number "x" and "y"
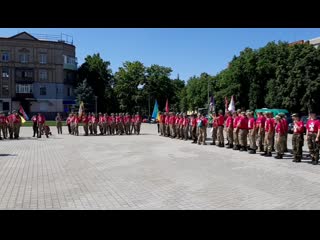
{"x": 214, "y": 128}
{"x": 312, "y": 130}
{"x": 297, "y": 138}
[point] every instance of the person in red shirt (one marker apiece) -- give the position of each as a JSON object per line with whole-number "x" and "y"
{"x": 243, "y": 131}
{"x": 104, "y": 123}
{"x": 100, "y": 123}
{"x": 172, "y": 120}
{"x": 285, "y": 124}
{"x": 132, "y": 124}
{"x": 185, "y": 126}
{"x": 113, "y": 125}
{"x": 76, "y": 121}
{"x": 138, "y": 121}
{"x": 252, "y": 133}
{"x": 85, "y": 121}
{"x": 269, "y": 137}
{"x": 236, "y": 130}
{"x": 2, "y": 125}
{"x": 95, "y": 121}
{"x": 176, "y": 126}
{"x": 40, "y": 121}
{"x": 202, "y": 123}
{"x": 280, "y": 137}
{"x": 229, "y": 129}
{"x": 127, "y": 123}
{"x": 161, "y": 122}
{"x": 312, "y": 131}
{"x": 181, "y": 120}
{"x": 220, "y": 123}
{"x": 260, "y": 124}
{"x": 214, "y": 129}
{"x": 166, "y": 123}
{"x": 90, "y": 123}
{"x": 297, "y": 138}
{"x": 194, "y": 128}
{"x": 16, "y": 124}
{"x": 34, "y": 126}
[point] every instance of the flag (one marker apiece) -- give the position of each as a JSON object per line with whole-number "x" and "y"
{"x": 155, "y": 113}
{"x": 81, "y": 108}
{"x": 22, "y": 119}
{"x": 212, "y": 104}
{"x": 232, "y": 107}
{"x": 23, "y": 113}
{"x": 167, "y": 106}
{"x": 225, "y": 104}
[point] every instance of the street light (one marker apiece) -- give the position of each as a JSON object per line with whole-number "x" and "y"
{"x": 96, "y": 98}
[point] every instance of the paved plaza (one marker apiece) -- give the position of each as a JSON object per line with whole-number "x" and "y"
{"x": 147, "y": 172}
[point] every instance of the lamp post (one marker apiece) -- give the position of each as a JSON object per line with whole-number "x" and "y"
{"x": 96, "y": 98}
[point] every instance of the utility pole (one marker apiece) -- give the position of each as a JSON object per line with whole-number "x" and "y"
{"x": 208, "y": 95}
{"x": 96, "y": 98}
{"x": 149, "y": 106}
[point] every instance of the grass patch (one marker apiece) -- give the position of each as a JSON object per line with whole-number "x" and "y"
{"x": 49, "y": 123}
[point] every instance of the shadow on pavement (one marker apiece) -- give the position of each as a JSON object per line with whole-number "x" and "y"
{"x": 7, "y": 155}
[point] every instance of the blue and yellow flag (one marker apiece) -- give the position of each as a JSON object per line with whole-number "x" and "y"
{"x": 22, "y": 119}
{"x": 155, "y": 113}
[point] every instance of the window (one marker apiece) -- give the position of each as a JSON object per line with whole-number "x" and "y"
{"x": 43, "y": 58}
{"x": 5, "y": 106}
{"x": 43, "y": 91}
{"x": 69, "y": 92}
{"x": 23, "y": 88}
{"x": 43, "y": 75}
{"x": 5, "y": 57}
{"x": 5, "y": 72}
{"x": 5, "y": 89}
{"x": 24, "y": 58}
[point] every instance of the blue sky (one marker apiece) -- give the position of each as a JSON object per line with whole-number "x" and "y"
{"x": 188, "y": 51}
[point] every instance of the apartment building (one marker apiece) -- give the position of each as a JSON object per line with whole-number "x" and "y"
{"x": 37, "y": 73}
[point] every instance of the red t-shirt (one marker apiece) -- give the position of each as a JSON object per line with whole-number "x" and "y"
{"x": 220, "y": 120}
{"x": 236, "y": 121}
{"x": 41, "y": 119}
{"x": 251, "y": 123}
{"x": 186, "y": 122}
{"x": 177, "y": 120}
{"x": 2, "y": 119}
{"x": 313, "y": 126}
{"x": 181, "y": 121}
{"x": 229, "y": 121}
{"x": 76, "y": 120}
{"x": 166, "y": 120}
{"x": 161, "y": 119}
{"x": 138, "y": 119}
{"x": 280, "y": 128}
{"x": 243, "y": 123}
{"x": 194, "y": 122}
{"x": 269, "y": 124}
{"x": 34, "y": 119}
{"x": 261, "y": 121}
{"x": 172, "y": 120}
{"x": 204, "y": 121}
{"x": 85, "y": 119}
{"x": 298, "y": 127}
{"x": 16, "y": 119}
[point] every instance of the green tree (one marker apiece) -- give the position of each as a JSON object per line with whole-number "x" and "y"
{"x": 99, "y": 78}
{"x": 85, "y": 94}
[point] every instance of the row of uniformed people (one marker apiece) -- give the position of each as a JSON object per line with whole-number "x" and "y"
{"x": 10, "y": 125}
{"x": 264, "y": 134}
{"x": 115, "y": 124}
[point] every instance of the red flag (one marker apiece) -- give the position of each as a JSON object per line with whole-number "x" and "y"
{"x": 21, "y": 110}
{"x": 167, "y": 106}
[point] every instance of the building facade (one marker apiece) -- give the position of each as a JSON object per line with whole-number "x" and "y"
{"x": 37, "y": 74}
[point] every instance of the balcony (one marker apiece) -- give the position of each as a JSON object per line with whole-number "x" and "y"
{"x": 70, "y": 66}
{"x": 24, "y": 80}
{"x": 23, "y": 96}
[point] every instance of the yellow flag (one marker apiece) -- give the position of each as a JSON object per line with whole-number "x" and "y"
{"x": 22, "y": 119}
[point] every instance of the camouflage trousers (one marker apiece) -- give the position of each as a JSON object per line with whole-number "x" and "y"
{"x": 220, "y": 135}
{"x": 86, "y": 129}
{"x": 280, "y": 143}
{"x": 3, "y": 130}
{"x": 268, "y": 142}
{"x": 297, "y": 144}
{"x": 230, "y": 135}
{"x": 186, "y": 132}
{"x": 313, "y": 146}
{"x": 236, "y": 136}
{"x": 181, "y": 132}
{"x": 167, "y": 131}
{"x": 202, "y": 135}
{"x": 243, "y": 135}
{"x": 194, "y": 134}
{"x": 172, "y": 130}
{"x": 260, "y": 139}
{"x": 161, "y": 129}
{"x": 16, "y": 130}
{"x": 252, "y": 139}
{"x": 214, "y": 134}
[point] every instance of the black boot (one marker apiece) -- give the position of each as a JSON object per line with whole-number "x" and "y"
{"x": 315, "y": 162}
{"x": 236, "y": 147}
{"x": 278, "y": 156}
{"x": 213, "y": 143}
{"x": 242, "y": 149}
{"x": 269, "y": 154}
{"x": 222, "y": 144}
{"x": 263, "y": 154}
{"x": 252, "y": 151}
{"x": 227, "y": 143}
{"x": 230, "y": 146}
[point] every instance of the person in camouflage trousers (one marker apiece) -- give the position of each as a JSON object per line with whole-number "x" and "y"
{"x": 214, "y": 128}
{"x": 297, "y": 138}
{"x": 312, "y": 130}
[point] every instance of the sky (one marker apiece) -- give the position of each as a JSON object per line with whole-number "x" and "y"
{"x": 188, "y": 51}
